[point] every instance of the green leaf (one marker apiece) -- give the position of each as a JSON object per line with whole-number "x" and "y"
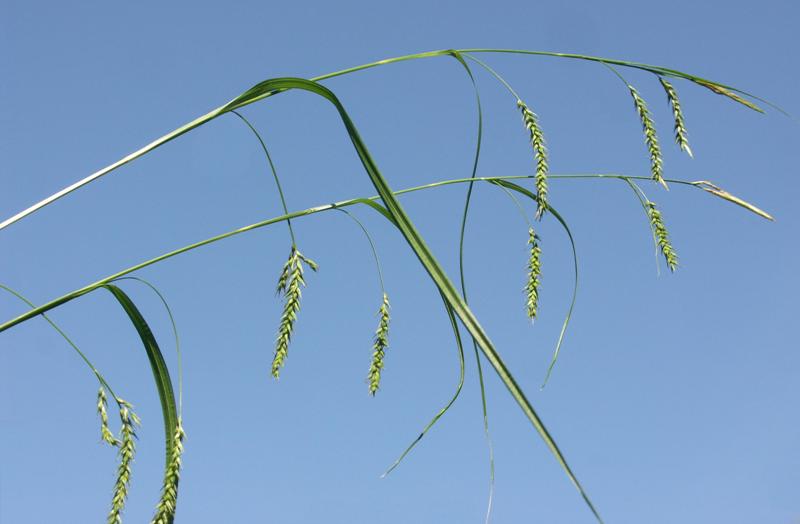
{"x": 435, "y": 419}
{"x": 425, "y": 256}
{"x": 257, "y": 93}
{"x": 157, "y": 364}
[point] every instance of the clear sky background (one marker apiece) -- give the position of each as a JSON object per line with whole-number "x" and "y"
{"x": 675, "y": 399}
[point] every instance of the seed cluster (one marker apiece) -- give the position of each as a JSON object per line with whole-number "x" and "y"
{"x": 127, "y": 449}
{"x": 165, "y": 510}
{"x": 650, "y": 137}
{"x": 662, "y": 236}
{"x": 289, "y": 284}
{"x": 379, "y": 347}
{"x": 680, "y": 126}
{"x": 105, "y": 432}
{"x": 531, "y": 122}
{"x": 534, "y": 274}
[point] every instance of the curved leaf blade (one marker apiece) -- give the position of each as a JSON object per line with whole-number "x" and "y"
{"x": 157, "y": 363}
{"x": 426, "y": 258}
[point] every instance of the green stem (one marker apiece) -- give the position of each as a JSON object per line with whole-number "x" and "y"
{"x": 272, "y": 168}
{"x": 371, "y": 245}
{"x": 297, "y": 214}
{"x": 623, "y": 177}
{"x": 69, "y": 341}
{"x": 617, "y": 73}
{"x": 642, "y": 197}
{"x": 214, "y": 113}
{"x": 519, "y": 207}
{"x": 495, "y": 74}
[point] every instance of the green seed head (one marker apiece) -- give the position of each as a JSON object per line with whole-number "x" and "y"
{"x": 290, "y": 283}
{"x": 534, "y": 275}
{"x": 677, "y": 113}
{"x": 379, "y": 347}
{"x": 650, "y": 138}
{"x": 105, "y": 431}
{"x": 165, "y": 509}
{"x": 662, "y": 236}
{"x": 531, "y": 122}
{"x": 127, "y": 450}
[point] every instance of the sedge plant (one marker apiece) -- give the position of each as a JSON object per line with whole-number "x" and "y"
{"x": 525, "y": 192}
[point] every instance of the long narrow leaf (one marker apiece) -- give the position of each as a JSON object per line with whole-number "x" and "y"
{"x": 158, "y": 365}
{"x": 460, "y": 348}
{"x": 211, "y": 115}
{"x": 425, "y": 256}
{"x": 462, "y": 279}
{"x": 421, "y": 250}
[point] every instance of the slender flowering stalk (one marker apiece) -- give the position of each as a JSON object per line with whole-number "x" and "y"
{"x": 381, "y": 341}
{"x": 649, "y": 136}
{"x": 662, "y": 236}
{"x": 680, "y": 126}
{"x": 105, "y": 432}
{"x": 165, "y": 510}
{"x": 537, "y": 142}
{"x": 289, "y": 284}
{"x": 127, "y": 449}
{"x": 379, "y": 347}
{"x": 534, "y": 274}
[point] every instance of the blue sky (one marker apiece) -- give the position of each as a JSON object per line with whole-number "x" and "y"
{"x": 675, "y": 396}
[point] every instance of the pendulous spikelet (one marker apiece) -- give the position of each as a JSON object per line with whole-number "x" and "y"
{"x": 289, "y": 284}
{"x": 534, "y": 274}
{"x": 105, "y": 432}
{"x": 379, "y": 347}
{"x": 165, "y": 510}
{"x": 127, "y": 449}
{"x": 662, "y": 236}
{"x": 537, "y": 142}
{"x": 680, "y": 126}
{"x": 649, "y": 136}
